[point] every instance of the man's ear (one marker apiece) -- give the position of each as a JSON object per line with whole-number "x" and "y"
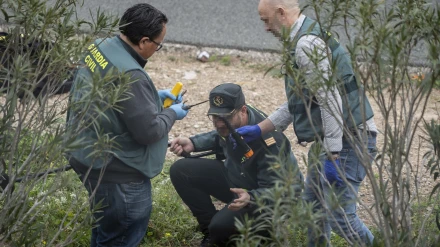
{"x": 243, "y": 109}
{"x": 143, "y": 42}
{"x": 282, "y": 12}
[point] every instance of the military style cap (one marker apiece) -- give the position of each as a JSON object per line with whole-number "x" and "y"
{"x": 225, "y": 98}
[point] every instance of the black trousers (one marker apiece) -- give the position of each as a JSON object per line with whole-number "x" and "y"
{"x": 195, "y": 180}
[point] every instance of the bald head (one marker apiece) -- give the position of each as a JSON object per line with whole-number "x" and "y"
{"x": 278, "y": 14}
{"x": 288, "y": 4}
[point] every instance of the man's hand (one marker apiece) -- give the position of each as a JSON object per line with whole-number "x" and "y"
{"x": 166, "y": 93}
{"x": 242, "y": 200}
{"x": 180, "y": 145}
{"x": 179, "y": 110}
{"x": 249, "y": 132}
{"x": 331, "y": 168}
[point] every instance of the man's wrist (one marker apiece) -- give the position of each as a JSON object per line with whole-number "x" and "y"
{"x": 333, "y": 155}
{"x": 266, "y": 126}
{"x": 251, "y": 200}
{"x": 251, "y": 197}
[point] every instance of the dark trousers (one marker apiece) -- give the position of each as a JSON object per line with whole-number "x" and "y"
{"x": 195, "y": 180}
{"x": 122, "y": 212}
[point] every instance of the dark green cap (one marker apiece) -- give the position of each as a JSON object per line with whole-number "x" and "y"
{"x": 225, "y": 98}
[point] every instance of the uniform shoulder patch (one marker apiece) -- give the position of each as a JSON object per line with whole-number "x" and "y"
{"x": 270, "y": 141}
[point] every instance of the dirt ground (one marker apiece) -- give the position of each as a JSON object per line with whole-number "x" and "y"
{"x": 178, "y": 63}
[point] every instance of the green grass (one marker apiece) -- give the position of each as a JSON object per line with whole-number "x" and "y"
{"x": 226, "y": 60}
{"x": 171, "y": 222}
{"x": 59, "y": 209}
{"x": 420, "y": 214}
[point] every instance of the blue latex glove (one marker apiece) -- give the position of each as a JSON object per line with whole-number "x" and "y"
{"x": 249, "y": 132}
{"x": 181, "y": 113}
{"x": 166, "y": 93}
{"x": 331, "y": 171}
{"x": 179, "y": 99}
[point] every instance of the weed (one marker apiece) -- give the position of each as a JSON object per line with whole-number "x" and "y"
{"x": 213, "y": 58}
{"x": 225, "y": 60}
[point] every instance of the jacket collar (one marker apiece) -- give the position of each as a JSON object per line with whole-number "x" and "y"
{"x": 142, "y": 62}
{"x": 296, "y": 26}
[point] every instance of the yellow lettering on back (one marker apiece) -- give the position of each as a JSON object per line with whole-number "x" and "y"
{"x": 90, "y": 63}
{"x": 96, "y": 56}
{"x": 99, "y": 58}
{"x": 104, "y": 64}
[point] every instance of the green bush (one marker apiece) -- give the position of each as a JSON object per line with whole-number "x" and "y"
{"x": 381, "y": 52}
{"x": 46, "y": 210}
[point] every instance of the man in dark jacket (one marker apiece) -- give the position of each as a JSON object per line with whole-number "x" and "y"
{"x": 123, "y": 147}
{"x": 240, "y": 179}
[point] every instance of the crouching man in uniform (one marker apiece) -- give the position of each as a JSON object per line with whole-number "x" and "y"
{"x": 238, "y": 180}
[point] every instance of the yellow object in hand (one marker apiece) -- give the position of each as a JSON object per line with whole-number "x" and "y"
{"x": 175, "y": 91}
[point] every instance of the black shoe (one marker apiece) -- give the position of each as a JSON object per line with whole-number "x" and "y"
{"x": 205, "y": 241}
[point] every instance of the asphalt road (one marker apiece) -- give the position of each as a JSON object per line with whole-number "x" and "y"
{"x": 217, "y": 23}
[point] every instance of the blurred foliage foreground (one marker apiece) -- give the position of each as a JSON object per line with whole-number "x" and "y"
{"x": 45, "y": 41}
